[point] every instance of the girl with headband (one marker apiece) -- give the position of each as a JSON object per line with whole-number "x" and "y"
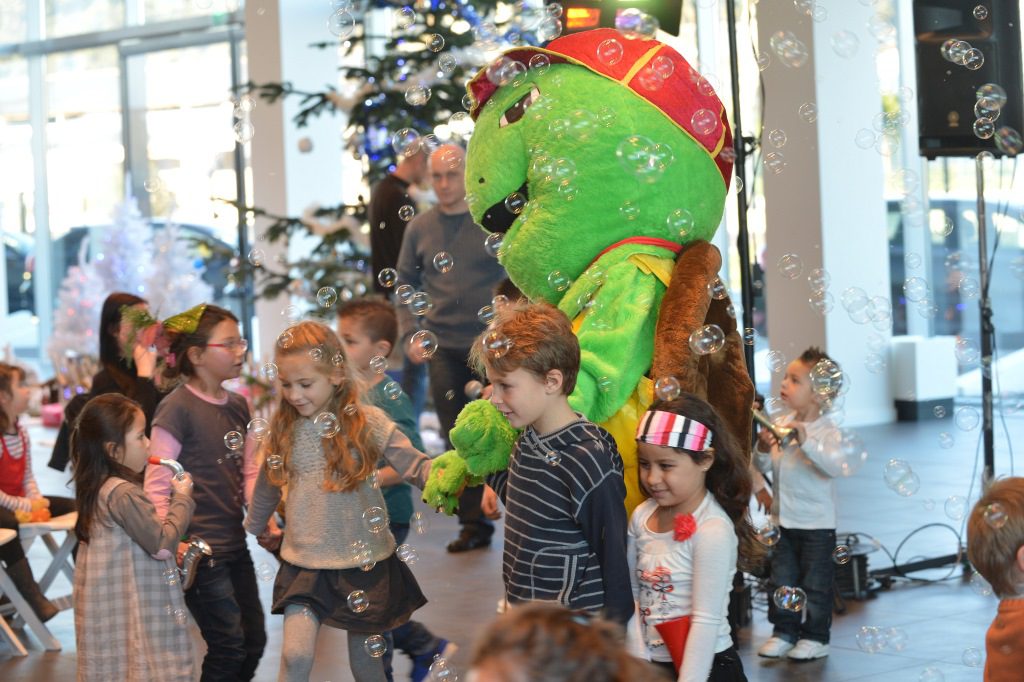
{"x": 685, "y": 540}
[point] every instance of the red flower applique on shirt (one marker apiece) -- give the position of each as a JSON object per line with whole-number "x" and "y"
{"x": 685, "y": 527}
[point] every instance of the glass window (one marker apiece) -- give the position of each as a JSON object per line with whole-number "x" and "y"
{"x": 85, "y": 154}
{"x": 12, "y": 21}
{"x": 70, "y": 17}
{"x": 17, "y": 224}
{"x": 165, "y": 10}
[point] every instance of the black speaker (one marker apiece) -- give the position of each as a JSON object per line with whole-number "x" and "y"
{"x": 946, "y": 91}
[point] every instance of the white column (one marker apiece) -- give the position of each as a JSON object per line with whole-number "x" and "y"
{"x": 285, "y": 180}
{"x": 826, "y": 204}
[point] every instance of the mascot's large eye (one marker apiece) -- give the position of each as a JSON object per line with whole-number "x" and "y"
{"x": 516, "y": 111}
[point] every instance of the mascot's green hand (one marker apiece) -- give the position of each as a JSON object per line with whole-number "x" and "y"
{"x": 484, "y": 438}
{"x": 448, "y": 476}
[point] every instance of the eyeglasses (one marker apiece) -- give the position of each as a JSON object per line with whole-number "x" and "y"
{"x": 232, "y": 346}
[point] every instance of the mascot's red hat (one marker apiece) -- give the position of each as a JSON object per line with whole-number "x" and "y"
{"x": 679, "y": 97}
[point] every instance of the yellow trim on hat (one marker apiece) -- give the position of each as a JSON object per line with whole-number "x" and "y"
{"x": 640, "y": 63}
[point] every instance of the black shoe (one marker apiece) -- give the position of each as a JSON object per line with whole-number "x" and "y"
{"x": 469, "y": 541}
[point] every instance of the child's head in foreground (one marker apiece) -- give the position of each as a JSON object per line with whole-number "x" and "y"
{"x": 995, "y": 536}
{"x": 545, "y": 642}
{"x": 531, "y": 357}
{"x": 368, "y": 328}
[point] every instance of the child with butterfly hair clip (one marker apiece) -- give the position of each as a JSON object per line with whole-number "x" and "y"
{"x": 685, "y": 540}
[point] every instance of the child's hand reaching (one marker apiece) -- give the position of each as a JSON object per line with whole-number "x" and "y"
{"x": 183, "y": 485}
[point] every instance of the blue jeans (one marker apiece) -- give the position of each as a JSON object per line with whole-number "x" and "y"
{"x": 803, "y": 558}
{"x": 225, "y": 602}
{"x": 413, "y": 638}
{"x": 449, "y": 374}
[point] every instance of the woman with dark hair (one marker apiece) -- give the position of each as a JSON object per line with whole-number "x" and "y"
{"x": 133, "y": 379}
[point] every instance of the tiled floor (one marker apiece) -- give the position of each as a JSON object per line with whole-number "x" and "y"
{"x": 940, "y": 620}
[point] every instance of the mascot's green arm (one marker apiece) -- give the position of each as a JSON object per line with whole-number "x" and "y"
{"x": 616, "y": 339}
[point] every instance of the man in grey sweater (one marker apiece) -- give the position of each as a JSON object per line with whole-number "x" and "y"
{"x": 443, "y": 256}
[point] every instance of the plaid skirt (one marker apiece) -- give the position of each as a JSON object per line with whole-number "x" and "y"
{"x": 390, "y": 594}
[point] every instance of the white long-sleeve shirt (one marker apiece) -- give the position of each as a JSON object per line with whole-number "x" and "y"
{"x": 672, "y": 579}
{"x": 802, "y": 478}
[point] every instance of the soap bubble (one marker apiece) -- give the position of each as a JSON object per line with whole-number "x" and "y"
{"x": 841, "y": 555}
{"x": 233, "y": 440}
{"x": 915, "y": 289}
{"x": 442, "y": 671}
{"x": 749, "y": 334}
{"x": 327, "y": 424}
{"x": 984, "y": 128}
{"x": 407, "y": 554}
{"x": 426, "y": 341}
{"x": 790, "y": 598}
{"x": 435, "y": 43}
{"x": 326, "y": 297}
{"x": 635, "y": 24}
{"x": 404, "y": 17}
{"x": 680, "y": 221}
{"x": 704, "y": 122}
{"x": 264, "y": 572}
{"x": 931, "y": 674}
{"x": 956, "y": 507}
{"x": 609, "y": 52}
{"x": 171, "y": 576}
{"x": 775, "y": 162}
{"x": 405, "y": 142}
{"x": 358, "y": 601}
{"x": 980, "y": 12}
{"x": 419, "y": 524}
{"x": 258, "y": 428}
{"x": 275, "y": 462}
{"x": 553, "y": 457}
{"x": 895, "y": 470}
{"x": 540, "y": 63}
{"x": 870, "y": 639}
{"x": 443, "y": 262}
{"x": 180, "y": 617}
{"x": 939, "y": 411}
{"x": 790, "y": 266}
{"x": 1009, "y": 141}
{"x": 256, "y": 257}
{"x": 707, "y": 339}
{"x": 969, "y": 287}
{"x": 946, "y": 441}
{"x": 515, "y": 203}
{"x": 244, "y": 132}
{"x": 667, "y": 388}
{"x": 549, "y": 29}
{"x": 375, "y": 645}
{"x": 341, "y": 24}
{"x": 420, "y": 303}
{"x": 967, "y": 418}
{"x": 808, "y": 111}
{"x": 826, "y": 377}
{"x": 776, "y": 361}
{"x": 845, "y": 43}
{"x": 953, "y": 50}
{"x": 875, "y": 363}
{"x": 406, "y": 212}
{"x": 995, "y": 515}
{"x": 492, "y": 245}
{"x": 979, "y": 585}
{"x": 375, "y": 519}
{"x": 777, "y": 138}
{"x": 392, "y": 390}
{"x": 993, "y": 92}
{"x": 404, "y": 294}
{"x": 972, "y": 658}
{"x": 496, "y": 344}
{"x": 768, "y": 534}
{"x": 896, "y": 639}
{"x": 485, "y": 315}
{"x": 387, "y": 277}
{"x": 818, "y": 279}
{"x": 967, "y": 351}
{"x": 269, "y": 372}
{"x": 378, "y": 364}
{"x": 558, "y": 280}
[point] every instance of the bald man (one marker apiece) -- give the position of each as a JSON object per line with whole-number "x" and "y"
{"x": 456, "y": 293}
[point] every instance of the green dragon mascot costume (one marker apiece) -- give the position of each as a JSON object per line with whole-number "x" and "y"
{"x": 605, "y": 162}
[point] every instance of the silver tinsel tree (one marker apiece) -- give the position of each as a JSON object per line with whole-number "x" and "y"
{"x": 175, "y": 277}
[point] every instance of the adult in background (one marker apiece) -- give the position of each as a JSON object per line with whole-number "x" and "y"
{"x": 387, "y": 228}
{"x": 117, "y": 375}
{"x": 457, "y": 296}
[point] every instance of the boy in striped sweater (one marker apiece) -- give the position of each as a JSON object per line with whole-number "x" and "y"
{"x": 565, "y": 527}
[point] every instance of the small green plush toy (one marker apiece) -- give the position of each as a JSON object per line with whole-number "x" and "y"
{"x": 601, "y": 159}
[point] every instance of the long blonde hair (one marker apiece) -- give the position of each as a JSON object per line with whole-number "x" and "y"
{"x": 350, "y": 454}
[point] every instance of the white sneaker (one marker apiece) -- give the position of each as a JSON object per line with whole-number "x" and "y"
{"x": 808, "y": 650}
{"x": 774, "y": 647}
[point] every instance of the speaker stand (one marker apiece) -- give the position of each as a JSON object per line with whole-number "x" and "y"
{"x": 987, "y": 328}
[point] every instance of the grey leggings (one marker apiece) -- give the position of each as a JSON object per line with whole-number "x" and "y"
{"x": 300, "y": 630}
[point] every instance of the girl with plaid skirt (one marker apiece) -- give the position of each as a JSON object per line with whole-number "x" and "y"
{"x": 130, "y": 617}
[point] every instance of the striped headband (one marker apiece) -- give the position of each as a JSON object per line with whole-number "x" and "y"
{"x": 673, "y": 430}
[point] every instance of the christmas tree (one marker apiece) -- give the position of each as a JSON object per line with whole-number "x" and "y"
{"x": 112, "y": 258}
{"x": 410, "y": 91}
{"x": 175, "y": 280}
